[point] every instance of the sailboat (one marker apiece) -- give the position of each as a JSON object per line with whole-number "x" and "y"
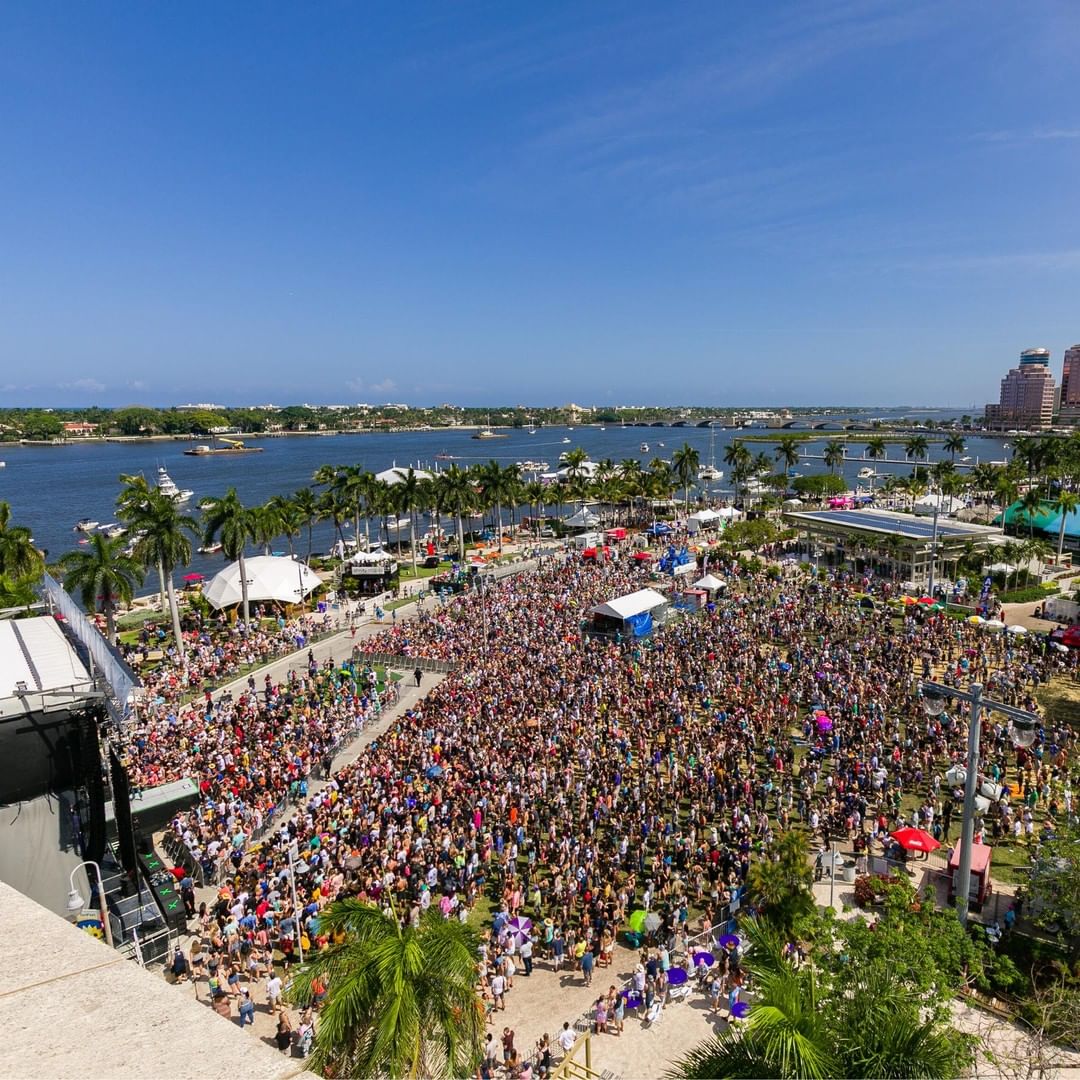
{"x": 711, "y": 472}
{"x": 486, "y": 432}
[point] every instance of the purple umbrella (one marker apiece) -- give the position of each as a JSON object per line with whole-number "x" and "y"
{"x": 705, "y": 958}
{"x": 740, "y": 1010}
{"x": 519, "y": 928}
{"x": 729, "y": 941}
{"x": 677, "y": 976}
{"x": 633, "y": 999}
{"x": 824, "y": 723}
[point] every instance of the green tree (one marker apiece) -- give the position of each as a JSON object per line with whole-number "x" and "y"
{"x": 876, "y": 448}
{"x": 104, "y": 576}
{"x": 781, "y": 881}
{"x": 409, "y": 493}
{"x": 307, "y": 508}
{"x": 459, "y": 497}
{"x": 21, "y": 563}
{"x": 954, "y": 444}
{"x": 1066, "y": 503}
{"x": 401, "y": 1001}
{"x": 833, "y": 454}
{"x": 686, "y": 461}
{"x": 234, "y": 523}
{"x": 290, "y": 518}
{"x": 819, "y": 486}
{"x": 787, "y": 451}
{"x": 916, "y": 447}
{"x": 1031, "y": 504}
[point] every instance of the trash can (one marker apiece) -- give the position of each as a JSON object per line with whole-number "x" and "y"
{"x": 847, "y": 871}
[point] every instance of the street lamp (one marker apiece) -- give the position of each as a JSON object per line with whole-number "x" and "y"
{"x": 1023, "y": 730}
{"x": 75, "y": 901}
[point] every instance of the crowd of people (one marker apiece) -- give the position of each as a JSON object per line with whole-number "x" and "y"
{"x": 573, "y": 779}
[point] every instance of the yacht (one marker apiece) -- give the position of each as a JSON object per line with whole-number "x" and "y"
{"x": 532, "y": 466}
{"x": 486, "y": 432}
{"x": 532, "y": 431}
{"x": 167, "y": 487}
{"x": 112, "y": 529}
{"x": 644, "y": 447}
{"x": 210, "y": 549}
{"x": 866, "y": 473}
{"x": 566, "y": 438}
{"x": 710, "y": 472}
{"x": 86, "y": 525}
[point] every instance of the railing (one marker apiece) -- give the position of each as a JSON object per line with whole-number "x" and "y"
{"x": 407, "y": 663}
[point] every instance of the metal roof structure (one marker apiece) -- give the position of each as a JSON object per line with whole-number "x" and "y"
{"x": 889, "y": 522}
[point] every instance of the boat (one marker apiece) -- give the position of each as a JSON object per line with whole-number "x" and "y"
{"x": 486, "y": 432}
{"x": 210, "y": 549}
{"x": 566, "y": 438}
{"x": 232, "y": 446}
{"x": 532, "y": 466}
{"x": 167, "y": 487}
{"x": 659, "y": 444}
{"x": 532, "y": 431}
{"x": 644, "y": 447}
{"x": 710, "y": 472}
{"x": 112, "y": 529}
{"x": 603, "y": 429}
{"x": 85, "y": 525}
{"x": 444, "y": 456}
{"x": 866, "y": 473}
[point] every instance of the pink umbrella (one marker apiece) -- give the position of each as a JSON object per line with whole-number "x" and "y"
{"x": 824, "y": 723}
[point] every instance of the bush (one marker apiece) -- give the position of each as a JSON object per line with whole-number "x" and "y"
{"x": 1029, "y": 595}
{"x": 870, "y": 887}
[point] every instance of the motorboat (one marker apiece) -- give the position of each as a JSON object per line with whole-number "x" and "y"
{"x": 709, "y": 473}
{"x": 866, "y": 473}
{"x": 112, "y": 529}
{"x": 210, "y": 549}
{"x": 566, "y": 438}
{"x": 167, "y": 487}
{"x": 644, "y": 447}
{"x": 85, "y": 525}
{"x": 444, "y": 456}
{"x": 532, "y": 431}
{"x": 532, "y": 466}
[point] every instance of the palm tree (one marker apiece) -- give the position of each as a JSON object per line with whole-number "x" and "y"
{"x": 954, "y": 445}
{"x": 163, "y": 542}
{"x": 333, "y": 507}
{"x": 102, "y": 573}
{"x": 1031, "y": 504}
{"x": 1011, "y": 552}
{"x": 266, "y": 524}
{"x": 234, "y": 523}
{"x": 307, "y": 510}
{"x": 575, "y": 460}
{"x": 533, "y": 494}
{"x": 133, "y": 498}
{"x": 401, "y": 1000}
{"x": 18, "y": 556}
{"x": 916, "y": 447}
{"x": 686, "y": 461}
{"x": 738, "y": 457}
{"x": 459, "y": 497}
{"x": 833, "y": 454}
{"x": 409, "y": 494}
{"x": 787, "y": 451}
{"x": 291, "y": 519}
{"x": 1066, "y": 503}
{"x": 876, "y": 448}
{"x": 781, "y": 882}
{"x": 1005, "y": 491}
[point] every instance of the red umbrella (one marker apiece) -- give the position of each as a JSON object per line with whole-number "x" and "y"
{"x": 915, "y": 840}
{"x": 642, "y": 556}
{"x": 193, "y": 577}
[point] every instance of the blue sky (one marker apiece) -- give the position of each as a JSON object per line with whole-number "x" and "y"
{"x": 606, "y": 202}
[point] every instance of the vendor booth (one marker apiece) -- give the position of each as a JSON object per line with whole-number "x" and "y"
{"x": 370, "y": 572}
{"x": 270, "y": 578}
{"x": 632, "y": 615}
{"x": 703, "y": 520}
{"x": 980, "y": 873}
{"x": 583, "y": 519}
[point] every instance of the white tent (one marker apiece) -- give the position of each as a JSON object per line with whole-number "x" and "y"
{"x": 376, "y": 557}
{"x": 626, "y": 607}
{"x": 398, "y": 473}
{"x": 710, "y": 582}
{"x": 702, "y": 519}
{"x": 583, "y": 519}
{"x": 792, "y": 504}
{"x": 946, "y": 504}
{"x": 270, "y": 577}
{"x": 728, "y": 512}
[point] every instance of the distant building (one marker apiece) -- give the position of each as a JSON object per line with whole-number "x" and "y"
{"x": 1027, "y": 395}
{"x": 79, "y": 428}
{"x": 200, "y": 406}
{"x": 1070, "y": 386}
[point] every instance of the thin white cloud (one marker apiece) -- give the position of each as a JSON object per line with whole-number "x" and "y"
{"x": 84, "y": 386}
{"x": 1034, "y": 135}
{"x": 387, "y": 386}
{"x": 1068, "y": 259}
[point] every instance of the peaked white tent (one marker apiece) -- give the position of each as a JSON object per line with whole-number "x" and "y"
{"x": 710, "y": 582}
{"x": 583, "y": 519}
{"x": 270, "y": 577}
{"x": 635, "y": 603}
{"x": 702, "y": 519}
{"x": 397, "y": 473}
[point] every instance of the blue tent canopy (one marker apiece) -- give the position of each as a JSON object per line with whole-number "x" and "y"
{"x": 658, "y": 528}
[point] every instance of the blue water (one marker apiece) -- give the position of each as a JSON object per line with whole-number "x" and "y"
{"x": 50, "y": 488}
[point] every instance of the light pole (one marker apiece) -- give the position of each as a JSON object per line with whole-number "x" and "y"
{"x": 933, "y": 549}
{"x": 75, "y": 901}
{"x": 1023, "y": 727}
{"x": 297, "y": 866}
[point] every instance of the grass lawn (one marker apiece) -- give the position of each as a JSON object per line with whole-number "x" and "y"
{"x": 1060, "y": 700}
{"x": 422, "y": 571}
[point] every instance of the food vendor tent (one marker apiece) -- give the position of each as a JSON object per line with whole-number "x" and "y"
{"x": 274, "y": 578}
{"x": 633, "y": 612}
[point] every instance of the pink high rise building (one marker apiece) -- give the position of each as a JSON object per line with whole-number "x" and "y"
{"x": 1070, "y": 386}
{"x": 1027, "y": 395}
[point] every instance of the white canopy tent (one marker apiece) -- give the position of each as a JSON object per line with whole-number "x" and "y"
{"x": 635, "y": 603}
{"x": 375, "y": 557}
{"x": 728, "y": 512}
{"x": 397, "y": 473}
{"x": 702, "y": 519}
{"x": 275, "y": 578}
{"x": 945, "y": 504}
{"x": 583, "y": 519}
{"x": 710, "y": 582}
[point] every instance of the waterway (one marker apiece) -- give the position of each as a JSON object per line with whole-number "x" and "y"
{"x": 50, "y": 488}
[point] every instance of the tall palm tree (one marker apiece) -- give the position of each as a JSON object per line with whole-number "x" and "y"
{"x": 737, "y": 455}
{"x": 575, "y": 461}
{"x": 307, "y": 510}
{"x": 876, "y": 448}
{"x": 1011, "y": 551}
{"x": 163, "y": 530}
{"x": 290, "y": 517}
{"x": 401, "y": 1001}
{"x": 787, "y": 451}
{"x": 1066, "y": 503}
{"x": 916, "y": 447}
{"x": 408, "y": 492}
{"x": 459, "y": 497}
{"x": 1005, "y": 491}
{"x": 334, "y": 508}
{"x": 533, "y": 494}
{"x": 130, "y": 502}
{"x": 954, "y": 445}
{"x": 833, "y": 454}
{"x": 266, "y": 524}
{"x": 1031, "y": 504}
{"x": 102, "y": 574}
{"x": 230, "y": 520}
{"x": 686, "y": 461}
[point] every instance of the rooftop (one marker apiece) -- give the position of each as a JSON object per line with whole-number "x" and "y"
{"x": 889, "y": 521}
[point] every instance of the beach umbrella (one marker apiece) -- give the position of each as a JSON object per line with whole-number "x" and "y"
{"x": 434, "y": 772}
{"x": 993, "y": 624}
{"x": 729, "y": 941}
{"x": 915, "y": 840}
{"x": 974, "y": 619}
{"x": 633, "y": 1000}
{"x": 1060, "y": 648}
{"x": 740, "y": 1010}
{"x": 519, "y": 928}
{"x": 652, "y": 922}
{"x": 636, "y": 921}
{"x": 677, "y": 976}
{"x": 705, "y": 958}
{"x": 824, "y": 723}
{"x": 1016, "y": 628}
{"x": 193, "y": 577}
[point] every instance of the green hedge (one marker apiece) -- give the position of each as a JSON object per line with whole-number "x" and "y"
{"x": 1027, "y": 596}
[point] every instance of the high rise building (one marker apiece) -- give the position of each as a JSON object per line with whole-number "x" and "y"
{"x": 1070, "y": 386}
{"x": 1027, "y": 395}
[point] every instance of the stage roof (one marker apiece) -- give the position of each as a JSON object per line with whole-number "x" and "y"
{"x": 887, "y": 521}
{"x": 626, "y": 607}
{"x": 36, "y": 652}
